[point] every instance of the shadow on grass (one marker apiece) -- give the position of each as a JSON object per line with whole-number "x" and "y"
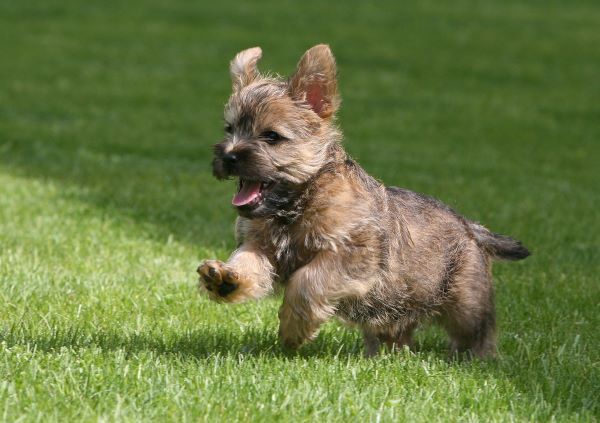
{"x": 207, "y": 342}
{"x": 198, "y": 344}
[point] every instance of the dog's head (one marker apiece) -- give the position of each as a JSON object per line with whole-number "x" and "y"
{"x": 278, "y": 133}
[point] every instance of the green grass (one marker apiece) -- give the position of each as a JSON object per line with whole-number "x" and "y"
{"x": 108, "y": 111}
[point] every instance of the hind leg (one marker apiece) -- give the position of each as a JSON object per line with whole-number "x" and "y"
{"x": 474, "y": 335}
{"x": 372, "y": 343}
{"x": 397, "y": 339}
{"x": 469, "y": 316}
{"x": 394, "y": 338}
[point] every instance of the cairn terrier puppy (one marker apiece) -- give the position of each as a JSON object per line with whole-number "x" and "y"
{"x": 337, "y": 241}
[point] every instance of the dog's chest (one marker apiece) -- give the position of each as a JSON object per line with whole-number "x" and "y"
{"x": 289, "y": 251}
{"x": 291, "y": 246}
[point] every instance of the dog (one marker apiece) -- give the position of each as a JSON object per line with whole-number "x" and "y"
{"x": 335, "y": 240}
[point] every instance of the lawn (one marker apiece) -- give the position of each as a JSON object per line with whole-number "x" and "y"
{"x": 108, "y": 111}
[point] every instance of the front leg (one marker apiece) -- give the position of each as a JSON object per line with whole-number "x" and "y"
{"x": 312, "y": 294}
{"x": 248, "y": 274}
{"x": 298, "y": 324}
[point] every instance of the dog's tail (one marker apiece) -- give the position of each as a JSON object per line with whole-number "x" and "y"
{"x": 499, "y": 246}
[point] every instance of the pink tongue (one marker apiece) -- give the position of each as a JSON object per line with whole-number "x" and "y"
{"x": 248, "y": 192}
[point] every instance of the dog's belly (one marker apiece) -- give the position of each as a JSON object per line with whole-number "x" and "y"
{"x": 383, "y": 307}
{"x": 373, "y": 310}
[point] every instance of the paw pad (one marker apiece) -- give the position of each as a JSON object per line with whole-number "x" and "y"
{"x": 218, "y": 281}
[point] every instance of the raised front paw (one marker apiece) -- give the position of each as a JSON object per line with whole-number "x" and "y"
{"x": 221, "y": 283}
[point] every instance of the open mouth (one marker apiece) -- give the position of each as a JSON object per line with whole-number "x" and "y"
{"x": 251, "y": 193}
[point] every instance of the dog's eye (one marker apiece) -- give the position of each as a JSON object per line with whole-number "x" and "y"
{"x": 271, "y": 137}
{"x": 228, "y": 128}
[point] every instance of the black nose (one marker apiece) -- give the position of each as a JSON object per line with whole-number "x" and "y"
{"x": 229, "y": 159}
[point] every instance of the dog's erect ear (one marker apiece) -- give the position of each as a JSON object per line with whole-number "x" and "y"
{"x": 243, "y": 67}
{"x": 315, "y": 81}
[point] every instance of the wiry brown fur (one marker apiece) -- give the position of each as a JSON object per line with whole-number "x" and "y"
{"x": 339, "y": 242}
